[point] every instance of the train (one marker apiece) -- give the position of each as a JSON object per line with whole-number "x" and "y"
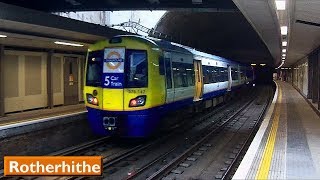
{"x": 133, "y": 82}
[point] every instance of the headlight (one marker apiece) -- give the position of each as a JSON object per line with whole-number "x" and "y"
{"x": 92, "y": 100}
{"x": 138, "y": 101}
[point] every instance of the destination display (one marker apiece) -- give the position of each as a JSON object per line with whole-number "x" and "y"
{"x": 113, "y": 67}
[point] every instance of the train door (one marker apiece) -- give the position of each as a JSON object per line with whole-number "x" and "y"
{"x": 71, "y": 83}
{"x": 229, "y": 78}
{"x": 198, "y": 81}
{"x": 169, "y": 78}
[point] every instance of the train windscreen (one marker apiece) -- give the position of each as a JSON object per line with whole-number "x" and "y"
{"x": 136, "y": 68}
{"x": 94, "y": 68}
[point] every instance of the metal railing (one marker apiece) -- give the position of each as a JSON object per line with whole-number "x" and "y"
{"x": 135, "y": 27}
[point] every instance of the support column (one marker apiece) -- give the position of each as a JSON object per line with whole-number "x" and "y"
{"x": 309, "y": 95}
{"x": 315, "y": 78}
{"x": 1, "y": 80}
{"x": 318, "y": 69}
{"x": 49, "y": 79}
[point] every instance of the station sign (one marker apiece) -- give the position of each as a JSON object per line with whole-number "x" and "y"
{"x": 113, "y": 68}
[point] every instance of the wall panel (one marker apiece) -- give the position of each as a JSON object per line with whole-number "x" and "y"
{"x": 300, "y": 75}
{"x": 57, "y": 75}
{"x": 33, "y": 75}
{"x": 25, "y": 80}
{"x": 11, "y": 83}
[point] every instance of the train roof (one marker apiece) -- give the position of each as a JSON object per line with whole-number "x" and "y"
{"x": 167, "y": 45}
{"x": 162, "y": 44}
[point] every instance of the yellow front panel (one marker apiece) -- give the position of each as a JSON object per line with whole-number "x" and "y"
{"x": 113, "y": 99}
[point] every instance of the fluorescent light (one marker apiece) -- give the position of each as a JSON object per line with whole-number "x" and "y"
{"x": 284, "y": 30}
{"x": 3, "y": 36}
{"x": 253, "y": 64}
{"x": 284, "y": 55}
{"x": 196, "y": 1}
{"x": 284, "y": 50}
{"x": 284, "y": 43}
{"x": 281, "y": 5}
{"x": 262, "y": 64}
{"x": 68, "y": 44}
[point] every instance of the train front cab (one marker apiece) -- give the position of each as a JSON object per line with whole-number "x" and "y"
{"x": 123, "y": 89}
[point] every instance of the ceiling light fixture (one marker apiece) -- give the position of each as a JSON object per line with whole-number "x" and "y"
{"x": 284, "y": 30}
{"x": 68, "y": 44}
{"x": 3, "y": 36}
{"x": 262, "y": 64}
{"x": 281, "y": 4}
{"x": 284, "y": 50}
{"x": 284, "y": 43}
{"x": 253, "y": 64}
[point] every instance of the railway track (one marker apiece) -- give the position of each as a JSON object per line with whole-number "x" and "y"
{"x": 205, "y": 125}
{"x": 111, "y": 163}
{"x": 223, "y": 160}
{"x": 125, "y": 162}
{"x": 230, "y": 170}
{"x": 192, "y": 149}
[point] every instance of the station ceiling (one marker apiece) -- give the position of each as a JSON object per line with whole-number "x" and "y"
{"x": 301, "y": 17}
{"x": 212, "y": 26}
{"x": 224, "y": 33}
{"x": 31, "y": 29}
{"x": 243, "y": 30}
{"x": 113, "y": 5}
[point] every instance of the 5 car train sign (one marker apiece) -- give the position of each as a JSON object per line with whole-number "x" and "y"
{"x": 113, "y": 67}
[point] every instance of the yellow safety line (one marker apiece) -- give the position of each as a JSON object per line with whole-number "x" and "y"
{"x": 265, "y": 163}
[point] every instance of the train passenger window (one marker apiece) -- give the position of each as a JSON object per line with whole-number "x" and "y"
{"x": 183, "y": 74}
{"x": 179, "y": 75}
{"x": 220, "y": 74}
{"x": 136, "y": 68}
{"x": 234, "y": 74}
{"x": 242, "y": 73}
{"x": 168, "y": 73}
{"x": 94, "y": 68}
{"x": 190, "y": 74}
{"x": 213, "y": 74}
{"x": 224, "y": 72}
{"x": 208, "y": 74}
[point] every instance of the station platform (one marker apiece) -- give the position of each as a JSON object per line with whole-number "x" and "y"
{"x": 40, "y": 114}
{"x": 287, "y": 144}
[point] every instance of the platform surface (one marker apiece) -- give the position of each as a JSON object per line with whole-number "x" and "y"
{"x": 32, "y": 115}
{"x": 287, "y": 145}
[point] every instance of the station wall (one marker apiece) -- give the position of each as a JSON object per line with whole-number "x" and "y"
{"x": 300, "y": 76}
{"x": 25, "y": 79}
